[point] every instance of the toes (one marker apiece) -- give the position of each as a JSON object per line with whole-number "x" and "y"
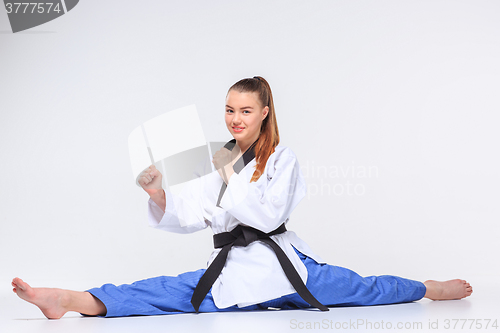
{"x": 20, "y": 284}
{"x": 17, "y": 281}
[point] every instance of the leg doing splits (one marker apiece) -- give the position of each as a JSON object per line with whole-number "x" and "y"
{"x": 54, "y": 303}
{"x": 339, "y": 286}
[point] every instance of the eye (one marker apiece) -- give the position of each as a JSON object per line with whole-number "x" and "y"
{"x": 246, "y": 111}
{"x": 229, "y": 110}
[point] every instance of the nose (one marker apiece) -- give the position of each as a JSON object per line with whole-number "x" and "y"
{"x": 236, "y": 119}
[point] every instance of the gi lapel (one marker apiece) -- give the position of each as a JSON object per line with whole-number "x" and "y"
{"x": 239, "y": 165}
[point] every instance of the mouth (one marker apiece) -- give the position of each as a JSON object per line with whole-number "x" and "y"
{"x": 238, "y": 129}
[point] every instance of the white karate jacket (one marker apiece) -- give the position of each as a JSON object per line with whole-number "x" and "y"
{"x": 251, "y": 274}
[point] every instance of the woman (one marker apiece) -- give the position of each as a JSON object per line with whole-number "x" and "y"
{"x": 257, "y": 263}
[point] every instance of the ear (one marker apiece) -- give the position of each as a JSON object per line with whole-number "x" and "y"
{"x": 265, "y": 113}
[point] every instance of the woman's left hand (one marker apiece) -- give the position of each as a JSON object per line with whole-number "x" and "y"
{"x": 223, "y": 162}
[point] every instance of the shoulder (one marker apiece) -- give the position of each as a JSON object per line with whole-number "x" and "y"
{"x": 282, "y": 161}
{"x": 283, "y": 152}
{"x": 282, "y": 158}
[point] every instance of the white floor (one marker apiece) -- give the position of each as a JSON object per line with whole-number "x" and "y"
{"x": 17, "y": 316}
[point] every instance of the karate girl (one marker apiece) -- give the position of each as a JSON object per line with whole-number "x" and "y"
{"x": 256, "y": 263}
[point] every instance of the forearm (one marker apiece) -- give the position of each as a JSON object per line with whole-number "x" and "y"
{"x": 158, "y": 197}
{"x": 179, "y": 214}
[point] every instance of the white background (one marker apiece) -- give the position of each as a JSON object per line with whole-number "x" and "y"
{"x": 409, "y": 89}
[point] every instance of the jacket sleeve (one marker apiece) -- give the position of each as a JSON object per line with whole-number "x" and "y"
{"x": 267, "y": 203}
{"x": 184, "y": 212}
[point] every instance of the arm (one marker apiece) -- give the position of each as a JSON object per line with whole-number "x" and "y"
{"x": 159, "y": 198}
{"x": 266, "y": 205}
{"x": 179, "y": 215}
{"x": 183, "y": 213}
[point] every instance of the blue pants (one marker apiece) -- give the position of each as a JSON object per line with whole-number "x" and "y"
{"x": 331, "y": 285}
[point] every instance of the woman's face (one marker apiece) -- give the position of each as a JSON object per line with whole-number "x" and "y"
{"x": 244, "y": 116}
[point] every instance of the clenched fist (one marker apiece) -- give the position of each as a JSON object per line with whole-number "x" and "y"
{"x": 150, "y": 180}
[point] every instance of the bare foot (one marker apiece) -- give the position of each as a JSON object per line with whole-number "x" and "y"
{"x": 451, "y": 289}
{"x": 51, "y": 301}
{"x": 54, "y": 302}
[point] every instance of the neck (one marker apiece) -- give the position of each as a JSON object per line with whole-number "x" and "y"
{"x": 244, "y": 145}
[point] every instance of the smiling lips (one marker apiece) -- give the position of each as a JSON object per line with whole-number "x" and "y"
{"x": 238, "y": 129}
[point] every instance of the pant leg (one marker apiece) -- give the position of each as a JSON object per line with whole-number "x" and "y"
{"x": 158, "y": 296}
{"x": 338, "y": 286}
{"x": 331, "y": 285}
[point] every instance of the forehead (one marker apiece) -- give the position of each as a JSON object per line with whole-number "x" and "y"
{"x": 242, "y": 99}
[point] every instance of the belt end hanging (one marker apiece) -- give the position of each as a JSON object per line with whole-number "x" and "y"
{"x": 196, "y": 306}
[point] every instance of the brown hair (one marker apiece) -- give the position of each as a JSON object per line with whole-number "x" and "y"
{"x": 269, "y": 135}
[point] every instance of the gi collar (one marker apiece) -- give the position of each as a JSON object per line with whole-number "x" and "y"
{"x": 244, "y": 159}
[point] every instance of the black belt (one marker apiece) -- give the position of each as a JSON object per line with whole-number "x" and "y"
{"x": 242, "y": 236}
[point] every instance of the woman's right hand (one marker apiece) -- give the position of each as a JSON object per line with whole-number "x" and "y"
{"x": 150, "y": 180}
